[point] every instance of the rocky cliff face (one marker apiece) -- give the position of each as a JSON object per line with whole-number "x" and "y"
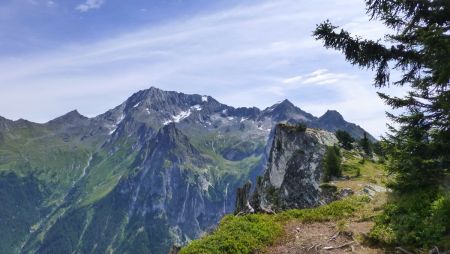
{"x": 293, "y": 173}
{"x": 172, "y": 186}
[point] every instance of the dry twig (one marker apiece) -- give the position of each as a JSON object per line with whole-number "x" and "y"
{"x": 334, "y": 236}
{"x": 338, "y": 247}
{"x": 403, "y": 250}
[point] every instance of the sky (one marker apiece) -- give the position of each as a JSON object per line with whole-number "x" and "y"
{"x": 91, "y": 55}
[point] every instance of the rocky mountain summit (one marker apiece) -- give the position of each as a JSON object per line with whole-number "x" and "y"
{"x": 160, "y": 168}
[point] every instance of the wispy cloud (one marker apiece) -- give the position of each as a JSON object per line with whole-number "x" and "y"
{"x": 90, "y": 4}
{"x": 250, "y": 55}
{"x": 317, "y": 77}
{"x": 323, "y": 77}
{"x": 292, "y": 79}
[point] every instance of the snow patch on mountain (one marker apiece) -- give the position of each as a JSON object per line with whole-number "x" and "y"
{"x": 197, "y": 107}
{"x": 113, "y": 128}
{"x": 112, "y": 131}
{"x": 183, "y": 115}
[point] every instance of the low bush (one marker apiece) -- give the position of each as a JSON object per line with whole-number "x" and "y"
{"x": 238, "y": 234}
{"x": 249, "y": 233}
{"x": 293, "y": 128}
{"x": 419, "y": 219}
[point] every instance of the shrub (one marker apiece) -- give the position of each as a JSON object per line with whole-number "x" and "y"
{"x": 418, "y": 219}
{"x": 238, "y": 234}
{"x": 293, "y": 128}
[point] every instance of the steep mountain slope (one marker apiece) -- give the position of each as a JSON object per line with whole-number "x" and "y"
{"x": 160, "y": 168}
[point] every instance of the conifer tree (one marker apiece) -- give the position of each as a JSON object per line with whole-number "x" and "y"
{"x": 345, "y": 139}
{"x": 366, "y": 145}
{"x": 419, "y": 49}
{"x": 332, "y": 163}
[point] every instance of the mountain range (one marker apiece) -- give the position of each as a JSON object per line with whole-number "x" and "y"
{"x": 160, "y": 169}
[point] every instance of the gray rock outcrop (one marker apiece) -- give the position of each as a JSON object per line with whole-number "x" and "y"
{"x": 294, "y": 170}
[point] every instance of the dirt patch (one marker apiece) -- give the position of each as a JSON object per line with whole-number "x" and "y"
{"x": 323, "y": 237}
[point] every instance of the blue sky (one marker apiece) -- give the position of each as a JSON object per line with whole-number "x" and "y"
{"x": 90, "y": 55}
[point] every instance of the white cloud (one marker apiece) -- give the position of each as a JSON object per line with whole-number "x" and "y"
{"x": 318, "y": 77}
{"x": 90, "y": 4}
{"x": 250, "y": 55}
{"x": 324, "y": 77}
{"x": 292, "y": 80}
{"x": 318, "y": 72}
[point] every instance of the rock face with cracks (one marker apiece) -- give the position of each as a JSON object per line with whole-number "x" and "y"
{"x": 293, "y": 173}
